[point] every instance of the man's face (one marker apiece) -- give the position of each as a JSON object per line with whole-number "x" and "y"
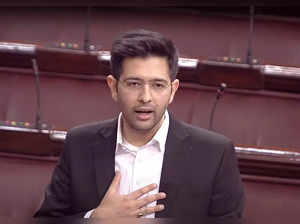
{"x": 143, "y": 92}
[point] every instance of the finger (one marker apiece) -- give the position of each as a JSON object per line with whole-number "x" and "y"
{"x": 142, "y": 202}
{"x": 115, "y": 184}
{"x": 149, "y": 210}
{"x": 140, "y": 192}
{"x": 140, "y": 212}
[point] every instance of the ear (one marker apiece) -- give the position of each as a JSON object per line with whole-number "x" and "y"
{"x": 112, "y": 84}
{"x": 175, "y": 85}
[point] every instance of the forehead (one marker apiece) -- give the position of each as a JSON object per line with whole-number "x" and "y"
{"x": 148, "y": 68}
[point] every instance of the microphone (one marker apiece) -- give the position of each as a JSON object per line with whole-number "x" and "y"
{"x": 220, "y": 93}
{"x": 249, "y": 55}
{"x": 86, "y": 43}
{"x": 221, "y": 90}
{"x": 38, "y": 101}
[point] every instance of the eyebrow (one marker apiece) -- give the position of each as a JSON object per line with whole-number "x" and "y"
{"x": 152, "y": 80}
{"x": 133, "y": 78}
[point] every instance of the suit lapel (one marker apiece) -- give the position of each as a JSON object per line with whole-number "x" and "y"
{"x": 104, "y": 156}
{"x": 174, "y": 150}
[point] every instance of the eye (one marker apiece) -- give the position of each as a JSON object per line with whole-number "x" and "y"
{"x": 133, "y": 84}
{"x": 159, "y": 85}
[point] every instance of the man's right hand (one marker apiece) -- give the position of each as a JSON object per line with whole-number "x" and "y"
{"x": 116, "y": 205}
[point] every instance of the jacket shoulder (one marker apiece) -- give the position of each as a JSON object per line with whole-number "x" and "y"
{"x": 205, "y": 133}
{"x": 203, "y": 137}
{"x": 91, "y": 129}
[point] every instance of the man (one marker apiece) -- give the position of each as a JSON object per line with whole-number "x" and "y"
{"x": 144, "y": 163}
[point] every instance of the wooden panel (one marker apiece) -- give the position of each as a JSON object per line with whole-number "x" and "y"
{"x": 205, "y": 32}
{"x": 234, "y": 75}
{"x": 69, "y": 61}
{"x": 282, "y": 83}
{"x": 28, "y": 141}
{"x": 16, "y": 55}
{"x": 270, "y": 200}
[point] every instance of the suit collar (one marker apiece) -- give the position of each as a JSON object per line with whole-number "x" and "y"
{"x": 159, "y": 137}
{"x": 176, "y": 130}
{"x": 108, "y": 128}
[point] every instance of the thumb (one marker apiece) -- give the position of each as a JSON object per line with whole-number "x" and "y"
{"x": 115, "y": 184}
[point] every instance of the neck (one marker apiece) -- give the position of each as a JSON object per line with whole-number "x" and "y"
{"x": 139, "y": 137}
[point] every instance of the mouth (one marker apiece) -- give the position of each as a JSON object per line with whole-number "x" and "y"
{"x": 144, "y": 114}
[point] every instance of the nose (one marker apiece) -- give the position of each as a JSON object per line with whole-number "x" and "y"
{"x": 145, "y": 95}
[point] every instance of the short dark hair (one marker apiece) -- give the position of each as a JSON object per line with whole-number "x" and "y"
{"x": 143, "y": 43}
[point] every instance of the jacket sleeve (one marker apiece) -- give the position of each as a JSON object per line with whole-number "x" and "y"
{"x": 58, "y": 195}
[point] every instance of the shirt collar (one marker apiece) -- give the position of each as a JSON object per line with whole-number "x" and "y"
{"x": 160, "y": 136}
